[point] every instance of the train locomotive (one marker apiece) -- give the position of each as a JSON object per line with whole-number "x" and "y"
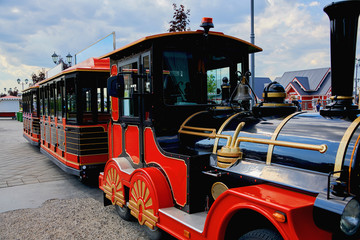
{"x": 206, "y": 165}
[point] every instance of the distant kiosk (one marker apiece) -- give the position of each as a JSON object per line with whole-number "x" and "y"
{"x": 9, "y": 106}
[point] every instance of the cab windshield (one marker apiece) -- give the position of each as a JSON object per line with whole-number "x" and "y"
{"x": 190, "y": 78}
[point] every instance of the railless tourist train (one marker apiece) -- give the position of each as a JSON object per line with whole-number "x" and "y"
{"x": 67, "y": 115}
{"x": 31, "y": 116}
{"x": 201, "y": 163}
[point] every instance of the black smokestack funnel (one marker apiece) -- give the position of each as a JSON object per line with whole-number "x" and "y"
{"x": 343, "y": 30}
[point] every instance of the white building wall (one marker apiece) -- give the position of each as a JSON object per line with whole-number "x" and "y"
{"x": 9, "y": 106}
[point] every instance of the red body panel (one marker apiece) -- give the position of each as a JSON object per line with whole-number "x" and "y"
{"x": 115, "y": 108}
{"x": 266, "y": 200}
{"x": 263, "y": 199}
{"x": 28, "y": 128}
{"x": 132, "y": 143}
{"x": 175, "y": 169}
{"x": 70, "y": 159}
{"x": 116, "y": 136}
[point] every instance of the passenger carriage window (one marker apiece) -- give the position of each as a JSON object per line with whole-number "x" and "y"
{"x": 41, "y": 102}
{"x": 71, "y": 100}
{"x": 86, "y": 96}
{"x": 59, "y": 101}
{"x": 46, "y": 101}
{"x": 106, "y": 101}
{"x": 102, "y": 100}
{"x": 34, "y": 101}
{"x": 52, "y": 100}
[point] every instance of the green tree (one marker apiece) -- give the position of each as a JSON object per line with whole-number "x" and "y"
{"x": 37, "y": 78}
{"x": 13, "y": 92}
{"x": 211, "y": 83}
{"x": 180, "y": 20}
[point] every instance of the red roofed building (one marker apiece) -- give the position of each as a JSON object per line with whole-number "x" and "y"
{"x": 307, "y": 86}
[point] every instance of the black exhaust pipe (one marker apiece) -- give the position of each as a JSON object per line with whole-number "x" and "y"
{"x": 343, "y": 30}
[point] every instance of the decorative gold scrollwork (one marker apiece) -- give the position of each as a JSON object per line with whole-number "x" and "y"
{"x": 141, "y": 203}
{"x": 113, "y": 187}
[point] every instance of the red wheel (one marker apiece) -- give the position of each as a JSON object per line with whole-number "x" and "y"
{"x": 113, "y": 186}
{"x": 142, "y": 201}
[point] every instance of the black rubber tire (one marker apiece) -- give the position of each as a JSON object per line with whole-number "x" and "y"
{"x": 155, "y": 234}
{"x": 261, "y": 234}
{"x": 124, "y": 212}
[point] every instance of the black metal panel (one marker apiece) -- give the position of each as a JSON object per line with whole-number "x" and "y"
{"x": 311, "y": 128}
{"x": 199, "y": 185}
{"x": 35, "y": 125}
{"x": 86, "y": 152}
{"x": 86, "y": 140}
{"x": 83, "y": 147}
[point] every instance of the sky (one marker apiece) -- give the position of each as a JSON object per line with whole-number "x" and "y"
{"x": 293, "y": 34}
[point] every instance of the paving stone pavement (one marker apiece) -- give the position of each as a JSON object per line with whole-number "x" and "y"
{"x": 20, "y": 162}
{"x": 28, "y": 178}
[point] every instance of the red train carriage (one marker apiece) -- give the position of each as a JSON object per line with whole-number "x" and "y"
{"x": 31, "y": 115}
{"x": 74, "y": 112}
{"x": 201, "y": 166}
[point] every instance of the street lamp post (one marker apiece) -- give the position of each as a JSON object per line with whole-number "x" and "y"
{"x": 57, "y": 59}
{"x": 22, "y": 82}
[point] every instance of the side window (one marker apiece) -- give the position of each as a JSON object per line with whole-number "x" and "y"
{"x": 216, "y": 79}
{"x": 239, "y": 67}
{"x": 107, "y": 100}
{"x": 86, "y": 96}
{"x": 34, "y": 101}
{"x": 178, "y": 89}
{"x": 52, "y": 100}
{"x": 102, "y": 100}
{"x": 59, "y": 99}
{"x": 146, "y": 64}
{"x": 46, "y": 101}
{"x": 71, "y": 100}
{"x": 133, "y": 85}
{"x": 41, "y": 101}
{"x": 130, "y": 106}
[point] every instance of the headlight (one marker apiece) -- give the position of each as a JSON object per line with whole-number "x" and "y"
{"x": 350, "y": 219}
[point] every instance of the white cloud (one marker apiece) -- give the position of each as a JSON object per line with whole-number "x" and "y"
{"x": 9, "y": 73}
{"x": 294, "y": 34}
{"x": 292, "y": 38}
{"x": 15, "y": 10}
{"x": 313, "y": 4}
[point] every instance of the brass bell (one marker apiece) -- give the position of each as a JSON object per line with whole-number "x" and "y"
{"x": 242, "y": 93}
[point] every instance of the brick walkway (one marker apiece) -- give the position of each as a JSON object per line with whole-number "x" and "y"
{"x": 28, "y": 178}
{"x": 20, "y": 162}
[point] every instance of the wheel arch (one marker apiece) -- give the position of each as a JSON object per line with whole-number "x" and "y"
{"x": 159, "y": 184}
{"x": 250, "y": 219}
{"x": 231, "y": 216}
